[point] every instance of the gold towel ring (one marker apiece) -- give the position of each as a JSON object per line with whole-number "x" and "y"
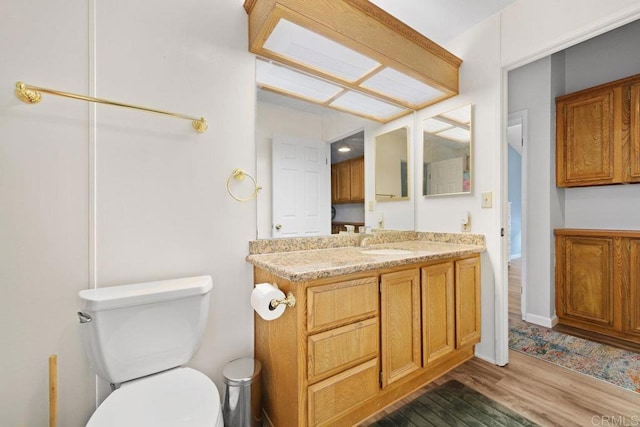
{"x": 239, "y": 174}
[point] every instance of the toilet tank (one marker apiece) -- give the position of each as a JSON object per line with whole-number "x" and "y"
{"x": 144, "y": 328}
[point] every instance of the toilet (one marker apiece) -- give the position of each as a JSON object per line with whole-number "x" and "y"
{"x": 138, "y": 337}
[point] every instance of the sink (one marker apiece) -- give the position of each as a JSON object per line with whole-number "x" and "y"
{"x": 386, "y": 252}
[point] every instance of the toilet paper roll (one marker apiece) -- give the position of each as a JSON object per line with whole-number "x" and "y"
{"x": 261, "y": 297}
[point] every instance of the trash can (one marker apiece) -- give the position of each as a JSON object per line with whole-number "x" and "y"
{"x": 242, "y": 406}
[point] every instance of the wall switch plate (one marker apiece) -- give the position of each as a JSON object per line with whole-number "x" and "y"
{"x": 372, "y": 205}
{"x": 487, "y": 199}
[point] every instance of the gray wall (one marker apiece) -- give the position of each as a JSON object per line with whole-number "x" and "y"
{"x": 609, "y": 57}
{"x": 515, "y": 197}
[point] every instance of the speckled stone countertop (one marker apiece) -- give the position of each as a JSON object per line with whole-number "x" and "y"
{"x": 312, "y": 264}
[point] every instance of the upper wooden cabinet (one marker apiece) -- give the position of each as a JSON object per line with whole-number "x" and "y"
{"x": 598, "y": 135}
{"x": 347, "y": 181}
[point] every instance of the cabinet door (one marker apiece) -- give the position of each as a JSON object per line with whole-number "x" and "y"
{"x": 586, "y": 151}
{"x": 400, "y": 324}
{"x": 633, "y": 298}
{"x": 634, "y": 169}
{"x": 467, "y": 297}
{"x": 343, "y": 182}
{"x": 357, "y": 180}
{"x": 585, "y": 280}
{"x": 438, "y": 312}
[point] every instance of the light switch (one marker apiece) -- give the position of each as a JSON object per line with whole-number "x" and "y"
{"x": 487, "y": 199}
{"x": 372, "y": 205}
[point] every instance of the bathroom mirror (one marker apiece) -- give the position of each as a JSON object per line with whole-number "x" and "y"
{"x": 391, "y": 165}
{"x": 447, "y": 153}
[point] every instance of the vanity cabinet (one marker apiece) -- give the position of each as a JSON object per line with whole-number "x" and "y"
{"x": 347, "y": 181}
{"x": 356, "y": 343}
{"x": 598, "y": 282}
{"x": 598, "y": 135}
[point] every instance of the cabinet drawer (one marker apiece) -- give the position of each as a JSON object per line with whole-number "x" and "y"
{"x": 333, "y": 397}
{"x": 337, "y": 349}
{"x": 339, "y": 303}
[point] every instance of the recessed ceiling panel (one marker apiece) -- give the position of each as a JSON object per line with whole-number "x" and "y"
{"x": 294, "y": 82}
{"x": 366, "y": 105}
{"x": 400, "y": 86}
{"x": 313, "y": 50}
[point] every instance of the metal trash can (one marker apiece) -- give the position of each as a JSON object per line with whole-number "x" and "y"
{"x": 242, "y": 406}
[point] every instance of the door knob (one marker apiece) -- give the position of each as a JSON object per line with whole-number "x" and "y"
{"x": 278, "y": 226}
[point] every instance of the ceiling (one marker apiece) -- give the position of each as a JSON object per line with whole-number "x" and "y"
{"x": 438, "y": 20}
{"x": 441, "y": 20}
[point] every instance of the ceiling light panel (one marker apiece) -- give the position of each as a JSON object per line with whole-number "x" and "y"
{"x": 456, "y": 134}
{"x": 400, "y": 86}
{"x": 460, "y": 115}
{"x": 294, "y": 82}
{"x": 434, "y": 125}
{"x": 298, "y": 44}
{"x": 366, "y": 105}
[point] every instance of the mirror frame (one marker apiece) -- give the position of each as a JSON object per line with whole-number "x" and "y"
{"x": 471, "y": 156}
{"x": 376, "y": 143}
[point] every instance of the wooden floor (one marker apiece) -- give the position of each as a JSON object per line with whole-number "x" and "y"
{"x": 543, "y": 392}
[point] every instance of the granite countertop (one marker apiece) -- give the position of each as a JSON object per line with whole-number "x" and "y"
{"x": 319, "y": 263}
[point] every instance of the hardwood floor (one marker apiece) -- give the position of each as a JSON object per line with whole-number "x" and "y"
{"x": 543, "y": 392}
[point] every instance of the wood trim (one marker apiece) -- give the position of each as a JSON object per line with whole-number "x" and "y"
{"x": 595, "y": 232}
{"x": 621, "y": 82}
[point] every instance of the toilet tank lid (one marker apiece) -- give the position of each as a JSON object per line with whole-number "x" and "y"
{"x": 144, "y": 293}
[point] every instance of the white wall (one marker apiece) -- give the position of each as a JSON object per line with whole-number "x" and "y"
{"x": 480, "y": 85}
{"x": 530, "y": 88}
{"x": 162, "y": 209}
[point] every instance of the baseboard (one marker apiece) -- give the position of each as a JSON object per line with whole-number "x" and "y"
{"x": 515, "y": 256}
{"x": 547, "y": 322}
{"x": 485, "y": 358}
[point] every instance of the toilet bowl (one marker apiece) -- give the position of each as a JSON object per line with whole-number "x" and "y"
{"x": 137, "y": 337}
{"x": 176, "y": 398}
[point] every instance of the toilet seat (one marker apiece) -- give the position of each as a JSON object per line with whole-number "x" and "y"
{"x": 180, "y": 397}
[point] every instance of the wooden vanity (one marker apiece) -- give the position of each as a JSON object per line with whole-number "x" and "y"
{"x": 367, "y": 329}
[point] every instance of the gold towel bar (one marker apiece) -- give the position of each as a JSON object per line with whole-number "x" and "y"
{"x": 31, "y": 95}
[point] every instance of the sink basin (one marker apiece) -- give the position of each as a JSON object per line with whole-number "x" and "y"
{"x": 386, "y": 252}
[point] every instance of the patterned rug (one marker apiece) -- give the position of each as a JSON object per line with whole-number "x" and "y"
{"x": 453, "y": 404}
{"x": 610, "y": 364}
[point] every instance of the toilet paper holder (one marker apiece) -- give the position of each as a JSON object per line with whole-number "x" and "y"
{"x": 289, "y": 301}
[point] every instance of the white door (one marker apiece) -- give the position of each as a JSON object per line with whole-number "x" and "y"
{"x": 301, "y": 181}
{"x": 446, "y": 176}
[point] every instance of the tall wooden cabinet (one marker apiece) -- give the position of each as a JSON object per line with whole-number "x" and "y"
{"x": 347, "y": 181}
{"x": 354, "y": 344}
{"x": 598, "y": 135}
{"x": 598, "y": 281}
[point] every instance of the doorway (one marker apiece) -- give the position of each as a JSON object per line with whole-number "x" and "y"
{"x": 516, "y": 212}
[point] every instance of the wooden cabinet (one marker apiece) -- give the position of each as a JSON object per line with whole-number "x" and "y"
{"x": 598, "y": 281}
{"x": 356, "y": 343}
{"x": 597, "y": 132}
{"x": 347, "y": 181}
{"x": 400, "y": 327}
{"x": 450, "y": 307}
{"x": 438, "y": 314}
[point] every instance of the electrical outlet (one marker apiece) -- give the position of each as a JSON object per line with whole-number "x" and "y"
{"x": 487, "y": 199}
{"x": 465, "y": 222}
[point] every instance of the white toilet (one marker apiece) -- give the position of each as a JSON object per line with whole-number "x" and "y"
{"x": 137, "y": 338}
